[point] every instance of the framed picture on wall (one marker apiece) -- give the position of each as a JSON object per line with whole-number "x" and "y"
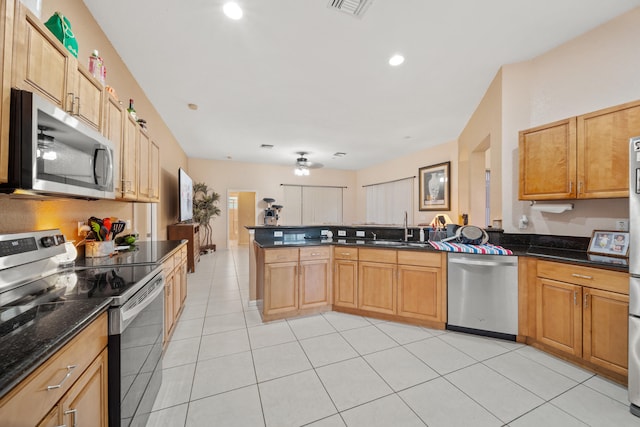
{"x": 610, "y": 243}
{"x": 434, "y": 187}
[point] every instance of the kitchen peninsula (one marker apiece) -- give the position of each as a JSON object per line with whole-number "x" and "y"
{"x": 300, "y": 270}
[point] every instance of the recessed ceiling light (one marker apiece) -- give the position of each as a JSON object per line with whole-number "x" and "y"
{"x": 232, "y": 10}
{"x": 192, "y": 106}
{"x": 396, "y": 60}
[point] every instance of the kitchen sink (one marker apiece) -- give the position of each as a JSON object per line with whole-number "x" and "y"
{"x": 418, "y": 245}
{"x": 388, "y": 242}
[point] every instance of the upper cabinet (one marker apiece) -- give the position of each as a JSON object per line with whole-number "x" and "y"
{"x": 34, "y": 60}
{"x": 41, "y": 64}
{"x": 6, "y": 41}
{"x": 548, "y": 161}
{"x": 584, "y": 157}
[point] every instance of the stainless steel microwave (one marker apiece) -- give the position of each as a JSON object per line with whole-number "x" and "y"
{"x": 52, "y": 152}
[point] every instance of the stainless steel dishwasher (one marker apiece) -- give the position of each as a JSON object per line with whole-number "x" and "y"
{"x": 482, "y": 296}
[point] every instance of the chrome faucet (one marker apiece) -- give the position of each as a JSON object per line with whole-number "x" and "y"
{"x": 406, "y": 227}
{"x": 375, "y": 236}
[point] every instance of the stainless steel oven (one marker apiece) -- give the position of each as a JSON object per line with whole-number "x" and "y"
{"x": 35, "y": 290}
{"x": 136, "y": 330}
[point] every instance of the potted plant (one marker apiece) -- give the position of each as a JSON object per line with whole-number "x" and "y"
{"x": 204, "y": 208}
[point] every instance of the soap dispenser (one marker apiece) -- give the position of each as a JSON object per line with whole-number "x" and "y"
{"x": 421, "y": 234}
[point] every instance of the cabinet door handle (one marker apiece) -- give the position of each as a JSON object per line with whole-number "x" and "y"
{"x": 575, "y": 297}
{"x": 73, "y": 413}
{"x": 581, "y": 276}
{"x": 586, "y": 300}
{"x": 315, "y": 253}
{"x": 579, "y": 187}
{"x": 70, "y": 369}
{"x": 570, "y": 187}
{"x": 69, "y": 104}
{"x": 345, "y": 253}
{"x": 77, "y": 98}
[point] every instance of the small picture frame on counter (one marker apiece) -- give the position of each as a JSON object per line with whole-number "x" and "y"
{"x": 609, "y": 243}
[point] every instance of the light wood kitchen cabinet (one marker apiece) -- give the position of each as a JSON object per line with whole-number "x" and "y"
{"x": 42, "y": 64}
{"x": 280, "y": 287}
{"x": 606, "y": 329}
{"x": 129, "y": 159}
{"x": 168, "y": 305}
{"x": 7, "y": 8}
{"x": 583, "y": 312}
{"x": 548, "y": 161}
{"x": 154, "y": 172}
{"x": 559, "y": 315}
{"x": 583, "y": 157}
{"x": 345, "y": 277}
{"x": 377, "y": 280}
{"x": 174, "y": 269}
{"x": 421, "y": 290}
{"x": 113, "y": 130}
{"x": 86, "y": 403}
{"x": 294, "y": 281}
{"x": 603, "y": 151}
{"x": 144, "y": 143}
{"x": 74, "y": 378}
{"x": 315, "y": 277}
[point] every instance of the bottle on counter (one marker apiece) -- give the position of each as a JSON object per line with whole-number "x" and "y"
{"x": 131, "y": 110}
{"x": 421, "y": 234}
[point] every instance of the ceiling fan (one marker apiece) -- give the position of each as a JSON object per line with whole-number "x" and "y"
{"x": 303, "y": 164}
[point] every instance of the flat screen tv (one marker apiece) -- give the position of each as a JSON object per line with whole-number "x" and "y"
{"x": 185, "y": 196}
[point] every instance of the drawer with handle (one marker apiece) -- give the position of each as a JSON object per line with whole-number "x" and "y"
{"x": 315, "y": 252}
{"x": 608, "y": 280}
{"x": 281, "y": 255}
{"x": 345, "y": 252}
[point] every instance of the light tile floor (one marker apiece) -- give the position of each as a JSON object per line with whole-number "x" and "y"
{"x": 224, "y": 367}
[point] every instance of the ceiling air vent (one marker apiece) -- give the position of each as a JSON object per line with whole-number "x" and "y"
{"x": 352, "y": 7}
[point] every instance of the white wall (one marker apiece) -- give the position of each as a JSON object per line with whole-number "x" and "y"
{"x": 403, "y": 167}
{"x": 266, "y": 181}
{"x": 596, "y": 70}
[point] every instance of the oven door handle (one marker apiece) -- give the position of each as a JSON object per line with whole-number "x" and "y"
{"x": 129, "y": 314}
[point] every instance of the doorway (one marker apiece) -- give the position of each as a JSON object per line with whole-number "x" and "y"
{"x": 241, "y": 206}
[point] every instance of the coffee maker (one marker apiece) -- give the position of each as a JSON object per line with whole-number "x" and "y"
{"x": 271, "y": 213}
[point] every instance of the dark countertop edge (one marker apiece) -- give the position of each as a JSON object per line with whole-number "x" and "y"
{"x": 567, "y": 256}
{"x": 61, "y": 341}
{"x": 163, "y": 250}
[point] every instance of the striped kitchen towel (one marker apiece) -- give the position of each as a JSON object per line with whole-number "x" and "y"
{"x": 487, "y": 249}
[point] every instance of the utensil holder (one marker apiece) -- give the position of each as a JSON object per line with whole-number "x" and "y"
{"x": 95, "y": 249}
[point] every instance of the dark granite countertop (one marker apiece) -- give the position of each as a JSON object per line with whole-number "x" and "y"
{"x": 140, "y": 253}
{"x": 577, "y": 257}
{"x": 53, "y": 325}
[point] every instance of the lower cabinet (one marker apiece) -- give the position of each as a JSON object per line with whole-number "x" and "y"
{"x": 294, "y": 281}
{"x": 606, "y": 329}
{"x": 402, "y": 285}
{"x": 175, "y": 289}
{"x": 281, "y": 287}
{"x": 585, "y": 316}
{"x": 86, "y": 403}
{"x": 377, "y": 286}
{"x": 70, "y": 388}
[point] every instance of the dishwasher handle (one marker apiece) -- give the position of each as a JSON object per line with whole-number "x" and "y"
{"x": 468, "y": 261}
